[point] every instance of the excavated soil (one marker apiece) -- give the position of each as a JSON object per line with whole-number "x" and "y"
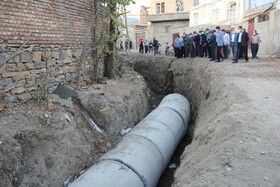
{"x": 233, "y": 138}
{"x": 47, "y": 147}
{"x": 235, "y": 126}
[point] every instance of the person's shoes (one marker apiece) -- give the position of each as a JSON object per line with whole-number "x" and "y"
{"x": 211, "y": 60}
{"x": 217, "y": 61}
{"x": 234, "y": 62}
{"x": 246, "y": 60}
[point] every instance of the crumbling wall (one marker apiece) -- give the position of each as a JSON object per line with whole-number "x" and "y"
{"x": 28, "y": 72}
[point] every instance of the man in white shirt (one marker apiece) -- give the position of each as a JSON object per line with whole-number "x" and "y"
{"x": 226, "y": 44}
{"x": 147, "y": 46}
{"x": 234, "y": 42}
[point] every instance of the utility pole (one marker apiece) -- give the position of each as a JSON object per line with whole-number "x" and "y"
{"x": 127, "y": 37}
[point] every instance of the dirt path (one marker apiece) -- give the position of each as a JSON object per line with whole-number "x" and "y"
{"x": 237, "y": 136}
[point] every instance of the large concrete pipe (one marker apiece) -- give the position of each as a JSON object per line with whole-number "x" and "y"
{"x": 143, "y": 154}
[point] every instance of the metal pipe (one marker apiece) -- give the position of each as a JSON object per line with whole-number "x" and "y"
{"x": 143, "y": 154}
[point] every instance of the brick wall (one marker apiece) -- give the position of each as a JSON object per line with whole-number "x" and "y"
{"x": 61, "y": 28}
{"x": 60, "y": 22}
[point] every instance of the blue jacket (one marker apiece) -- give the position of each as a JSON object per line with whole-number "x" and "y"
{"x": 207, "y": 36}
{"x": 177, "y": 43}
{"x": 212, "y": 40}
{"x": 182, "y": 42}
{"x": 220, "y": 39}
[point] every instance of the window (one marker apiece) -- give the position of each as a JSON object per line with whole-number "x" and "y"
{"x": 168, "y": 29}
{"x": 196, "y": 2}
{"x": 231, "y": 12}
{"x": 195, "y": 19}
{"x": 251, "y": 4}
{"x": 160, "y": 8}
{"x": 179, "y": 5}
{"x": 263, "y": 18}
{"x": 251, "y": 21}
{"x": 215, "y": 16}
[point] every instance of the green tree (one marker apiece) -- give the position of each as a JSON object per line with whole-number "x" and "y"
{"x": 115, "y": 8}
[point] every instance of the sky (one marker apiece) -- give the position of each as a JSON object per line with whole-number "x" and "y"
{"x": 135, "y": 9}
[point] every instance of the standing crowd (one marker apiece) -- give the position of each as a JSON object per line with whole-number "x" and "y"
{"x": 149, "y": 46}
{"x": 216, "y": 44}
{"x": 125, "y": 45}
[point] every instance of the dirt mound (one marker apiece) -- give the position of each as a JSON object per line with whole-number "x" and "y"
{"x": 40, "y": 147}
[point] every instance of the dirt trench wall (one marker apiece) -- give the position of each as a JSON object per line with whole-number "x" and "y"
{"x": 40, "y": 147}
{"x": 233, "y": 126}
{"x": 166, "y": 75}
{"x": 120, "y": 104}
{"x": 153, "y": 69}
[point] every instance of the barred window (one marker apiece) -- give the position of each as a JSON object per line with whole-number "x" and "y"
{"x": 179, "y": 5}
{"x": 263, "y": 18}
{"x": 168, "y": 29}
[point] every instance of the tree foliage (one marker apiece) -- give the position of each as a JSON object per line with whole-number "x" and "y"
{"x": 114, "y": 9}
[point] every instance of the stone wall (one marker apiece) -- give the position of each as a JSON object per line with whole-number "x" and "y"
{"x": 58, "y": 30}
{"x": 25, "y": 75}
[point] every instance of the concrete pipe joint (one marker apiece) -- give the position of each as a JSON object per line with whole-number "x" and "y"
{"x": 143, "y": 154}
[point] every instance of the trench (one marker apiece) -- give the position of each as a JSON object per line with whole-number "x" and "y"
{"x": 160, "y": 87}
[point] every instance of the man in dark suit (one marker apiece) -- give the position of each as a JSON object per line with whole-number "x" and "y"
{"x": 212, "y": 44}
{"x": 141, "y": 46}
{"x": 202, "y": 41}
{"x": 242, "y": 46}
{"x": 195, "y": 44}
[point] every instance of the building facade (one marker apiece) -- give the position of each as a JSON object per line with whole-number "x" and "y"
{"x": 169, "y": 18}
{"x": 263, "y": 16}
{"x": 170, "y": 6}
{"x": 217, "y": 12}
{"x": 167, "y": 15}
{"x": 144, "y": 12}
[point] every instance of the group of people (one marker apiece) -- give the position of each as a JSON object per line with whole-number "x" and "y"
{"x": 216, "y": 44}
{"x": 125, "y": 44}
{"x": 149, "y": 46}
